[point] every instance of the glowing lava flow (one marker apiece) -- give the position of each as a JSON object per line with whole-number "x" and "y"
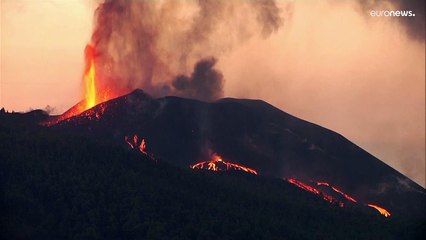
{"x": 134, "y": 143}
{"x": 325, "y": 196}
{"x": 139, "y": 145}
{"x": 382, "y": 211}
{"x": 338, "y": 191}
{"x": 217, "y": 164}
{"x": 311, "y": 189}
{"x": 303, "y": 186}
{"x": 332, "y": 198}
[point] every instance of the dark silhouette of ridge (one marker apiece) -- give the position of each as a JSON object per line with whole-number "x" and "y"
{"x": 254, "y": 134}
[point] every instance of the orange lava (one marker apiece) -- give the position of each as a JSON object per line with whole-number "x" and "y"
{"x": 217, "y": 164}
{"x": 330, "y": 198}
{"x": 94, "y": 92}
{"x": 303, "y": 186}
{"x": 134, "y": 143}
{"x": 338, "y": 191}
{"x": 323, "y": 183}
{"x": 382, "y": 211}
{"x": 306, "y": 187}
{"x": 89, "y": 79}
{"x": 139, "y": 144}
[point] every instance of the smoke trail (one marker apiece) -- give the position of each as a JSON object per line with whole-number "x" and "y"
{"x": 146, "y": 44}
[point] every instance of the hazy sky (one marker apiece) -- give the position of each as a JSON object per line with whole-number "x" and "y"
{"x": 331, "y": 64}
{"x": 42, "y": 44}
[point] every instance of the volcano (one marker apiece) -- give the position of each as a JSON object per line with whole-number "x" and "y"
{"x": 253, "y": 134}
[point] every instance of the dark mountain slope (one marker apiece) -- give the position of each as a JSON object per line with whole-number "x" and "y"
{"x": 66, "y": 185}
{"x": 254, "y": 134}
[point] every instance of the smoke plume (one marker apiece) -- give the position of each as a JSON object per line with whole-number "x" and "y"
{"x": 146, "y": 44}
{"x": 205, "y": 82}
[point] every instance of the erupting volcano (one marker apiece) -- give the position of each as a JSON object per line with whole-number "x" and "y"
{"x": 126, "y": 53}
{"x": 272, "y": 143}
{"x": 153, "y": 147}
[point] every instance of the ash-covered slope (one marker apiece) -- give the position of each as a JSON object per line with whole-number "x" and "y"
{"x": 254, "y": 134}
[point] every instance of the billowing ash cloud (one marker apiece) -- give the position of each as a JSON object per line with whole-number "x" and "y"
{"x": 205, "y": 82}
{"x": 146, "y": 44}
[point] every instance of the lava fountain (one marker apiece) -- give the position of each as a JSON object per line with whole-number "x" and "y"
{"x": 89, "y": 79}
{"x": 93, "y": 91}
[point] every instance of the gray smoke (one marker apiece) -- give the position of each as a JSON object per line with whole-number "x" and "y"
{"x": 146, "y": 44}
{"x": 204, "y": 84}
